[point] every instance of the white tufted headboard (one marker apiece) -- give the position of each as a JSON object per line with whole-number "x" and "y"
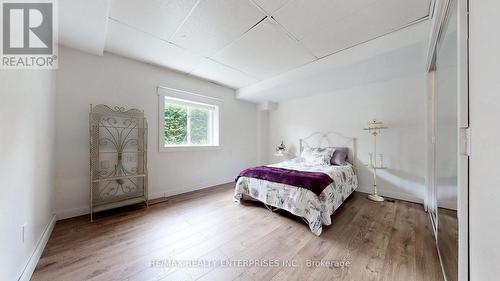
{"x": 331, "y": 139}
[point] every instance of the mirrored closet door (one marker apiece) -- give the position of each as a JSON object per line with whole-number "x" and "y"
{"x": 446, "y": 142}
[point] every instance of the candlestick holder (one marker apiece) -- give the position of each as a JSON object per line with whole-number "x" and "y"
{"x": 374, "y": 128}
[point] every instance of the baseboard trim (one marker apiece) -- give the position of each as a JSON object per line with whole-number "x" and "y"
{"x": 80, "y": 211}
{"x": 394, "y": 195}
{"x": 161, "y": 199}
{"x": 37, "y": 253}
{"x": 71, "y": 213}
{"x": 182, "y": 191}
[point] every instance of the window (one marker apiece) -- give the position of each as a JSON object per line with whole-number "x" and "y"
{"x": 188, "y": 123}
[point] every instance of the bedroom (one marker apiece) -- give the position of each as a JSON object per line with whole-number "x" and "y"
{"x": 249, "y": 140}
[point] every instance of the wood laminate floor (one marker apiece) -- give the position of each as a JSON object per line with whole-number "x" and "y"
{"x": 366, "y": 241}
{"x": 448, "y": 242}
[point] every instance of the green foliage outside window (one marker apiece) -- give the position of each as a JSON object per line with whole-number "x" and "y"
{"x": 199, "y": 126}
{"x": 176, "y": 125}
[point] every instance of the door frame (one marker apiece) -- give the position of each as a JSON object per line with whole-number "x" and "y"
{"x": 463, "y": 137}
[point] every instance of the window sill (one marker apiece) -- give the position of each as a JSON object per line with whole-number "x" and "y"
{"x": 190, "y": 148}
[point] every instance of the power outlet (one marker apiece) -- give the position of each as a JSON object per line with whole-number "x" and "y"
{"x": 23, "y": 232}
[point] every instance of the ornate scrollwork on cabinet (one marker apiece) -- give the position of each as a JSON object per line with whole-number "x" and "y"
{"x": 118, "y": 157}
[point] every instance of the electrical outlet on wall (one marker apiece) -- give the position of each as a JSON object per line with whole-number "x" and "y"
{"x": 23, "y": 232}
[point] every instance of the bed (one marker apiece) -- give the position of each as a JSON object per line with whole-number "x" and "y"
{"x": 301, "y": 186}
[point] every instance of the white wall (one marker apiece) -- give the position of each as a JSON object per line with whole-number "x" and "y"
{"x": 83, "y": 79}
{"x": 263, "y": 137}
{"x": 27, "y": 101}
{"x": 484, "y": 178}
{"x": 400, "y": 103}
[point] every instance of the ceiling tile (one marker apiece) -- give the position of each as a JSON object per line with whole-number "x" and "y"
{"x": 270, "y": 6}
{"x": 128, "y": 42}
{"x": 264, "y": 51}
{"x": 242, "y": 49}
{"x": 407, "y": 11}
{"x": 158, "y": 17}
{"x": 82, "y": 24}
{"x": 214, "y": 71}
{"x": 214, "y": 24}
{"x": 302, "y": 17}
{"x": 330, "y": 26}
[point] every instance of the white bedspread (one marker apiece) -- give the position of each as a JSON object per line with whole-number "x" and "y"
{"x": 317, "y": 210}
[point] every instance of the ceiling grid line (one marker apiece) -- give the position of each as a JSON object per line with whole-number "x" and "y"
{"x": 184, "y": 20}
{"x": 239, "y": 42}
{"x": 371, "y": 39}
{"x": 288, "y": 33}
{"x": 283, "y": 5}
{"x": 183, "y": 48}
{"x": 138, "y": 29}
{"x": 152, "y": 35}
{"x": 237, "y": 39}
{"x": 350, "y": 47}
{"x": 228, "y": 66}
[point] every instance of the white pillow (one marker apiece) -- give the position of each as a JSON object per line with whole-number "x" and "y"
{"x": 317, "y": 156}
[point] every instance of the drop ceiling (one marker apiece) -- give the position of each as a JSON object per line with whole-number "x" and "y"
{"x": 239, "y": 43}
{"x": 385, "y": 58}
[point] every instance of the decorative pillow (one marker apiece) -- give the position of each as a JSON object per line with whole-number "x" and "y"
{"x": 339, "y": 156}
{"x": 317, "y": 156}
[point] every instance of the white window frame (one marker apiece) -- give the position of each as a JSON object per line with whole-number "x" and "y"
{"x": 191, "y": 100}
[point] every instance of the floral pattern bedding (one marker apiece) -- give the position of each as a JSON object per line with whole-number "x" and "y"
{"x": 317, "y": 210}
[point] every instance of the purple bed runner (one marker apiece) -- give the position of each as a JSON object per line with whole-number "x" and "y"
{"x": 313, "y": 181}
